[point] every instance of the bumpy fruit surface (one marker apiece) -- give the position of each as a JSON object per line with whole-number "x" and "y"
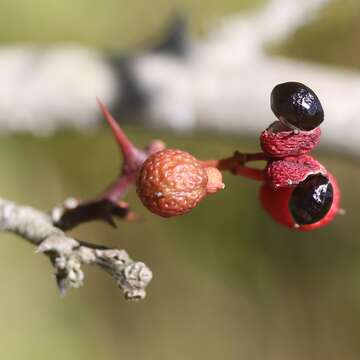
{"x": 171, "y": 182}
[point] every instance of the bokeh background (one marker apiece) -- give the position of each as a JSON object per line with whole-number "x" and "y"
{"x": 228, "y": 283}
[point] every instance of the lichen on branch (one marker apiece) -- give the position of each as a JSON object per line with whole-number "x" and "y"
{"x": 67, "y": 254}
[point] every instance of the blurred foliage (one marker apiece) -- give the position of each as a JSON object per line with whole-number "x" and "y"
{"x": 228, "y": 283}
{"x": 110, "y": 24}
{"x": 333, "y": 37}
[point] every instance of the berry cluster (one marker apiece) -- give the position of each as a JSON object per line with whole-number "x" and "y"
{"x": 297, "y": 190}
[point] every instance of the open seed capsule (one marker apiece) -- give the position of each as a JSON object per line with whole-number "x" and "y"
{"x": 309, "y": 205}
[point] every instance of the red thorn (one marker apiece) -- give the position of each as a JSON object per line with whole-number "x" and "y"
{"x": 108, "y": 219}
{"x": 123, "y": 141}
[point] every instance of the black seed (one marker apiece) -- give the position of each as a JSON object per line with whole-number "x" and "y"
{"x": 296, "y": 104}
{"x": 311, "y": 199}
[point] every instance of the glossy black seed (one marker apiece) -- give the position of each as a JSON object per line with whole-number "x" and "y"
{"x": 297, "y": 105}
{"x": 311, "y": 199}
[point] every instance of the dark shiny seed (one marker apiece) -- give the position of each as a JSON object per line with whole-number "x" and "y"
{"x": 296, "y": 105}
{"x": 311, "y": 199}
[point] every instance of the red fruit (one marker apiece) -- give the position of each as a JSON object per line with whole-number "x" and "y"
{"x": 292, "y": 170}
{"x": 278, "y": 141}
{"x": 277, "y": 203}
{"x": 172, "y": 182}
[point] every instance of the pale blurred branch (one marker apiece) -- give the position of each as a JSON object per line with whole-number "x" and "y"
{"x": 67, "y": 254}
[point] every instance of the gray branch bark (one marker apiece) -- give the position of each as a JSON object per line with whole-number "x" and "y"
{"x": 67, "y": 254}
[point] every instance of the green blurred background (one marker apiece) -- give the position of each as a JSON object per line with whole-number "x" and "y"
{"x": 228, "y": 283}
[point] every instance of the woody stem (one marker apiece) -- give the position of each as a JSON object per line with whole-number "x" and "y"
{"x": 236, "y": 164}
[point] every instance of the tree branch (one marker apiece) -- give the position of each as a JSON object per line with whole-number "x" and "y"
{"x": 68, "y": 254}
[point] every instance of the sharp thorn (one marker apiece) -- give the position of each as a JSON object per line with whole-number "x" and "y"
{"x": 124, "y": 143}
{"x": 109, "y": 219}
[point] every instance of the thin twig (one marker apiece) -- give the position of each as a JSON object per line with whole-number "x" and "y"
{"x": 67, "y": 254}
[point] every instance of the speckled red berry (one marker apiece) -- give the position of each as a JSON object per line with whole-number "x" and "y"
{"x": 172, "y": 182}
{"x": 279, "y": 141}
